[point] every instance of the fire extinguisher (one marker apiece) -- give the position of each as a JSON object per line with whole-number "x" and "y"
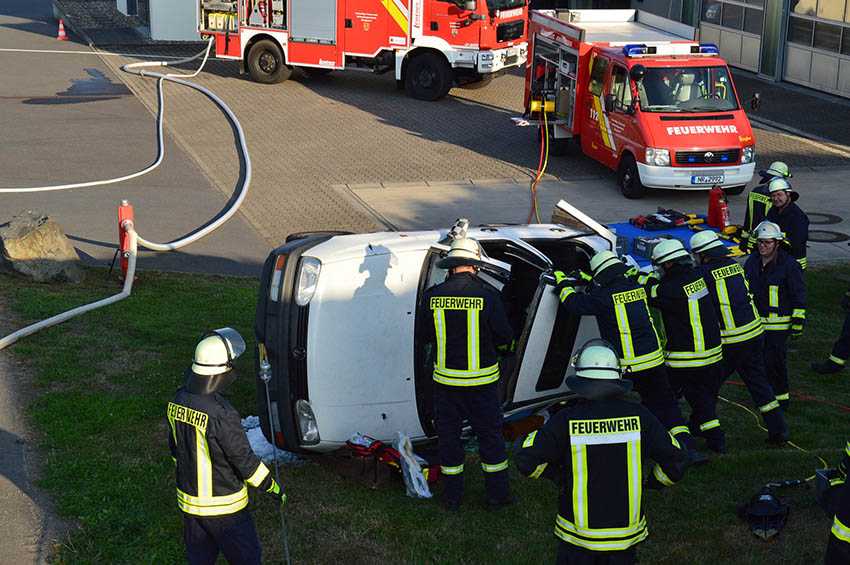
{"x": 718, "y": 208}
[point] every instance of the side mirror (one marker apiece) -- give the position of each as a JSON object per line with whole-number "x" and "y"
{"x": 609, "y": 103}
{"x": 755, "y": 102}
{"x": 637, "y": 72}
{"x": 470, "y": 5}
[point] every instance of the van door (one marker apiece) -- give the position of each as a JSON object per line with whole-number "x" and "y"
{"x": 597, "y": 140}
{"x": 621, "y": 117}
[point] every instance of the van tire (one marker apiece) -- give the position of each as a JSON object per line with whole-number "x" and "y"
{"x": 428, "y": 77}
{"x": 266, "y": 64}
{"x": 735, "y": 190}
{"x": 628, "y": 178}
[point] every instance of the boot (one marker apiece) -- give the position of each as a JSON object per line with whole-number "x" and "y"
{"x": 827, "y": 367}
{"x": 777, "y": 429}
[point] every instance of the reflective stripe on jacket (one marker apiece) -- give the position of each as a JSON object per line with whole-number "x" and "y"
{"x": 779, "y": 291}
{"x": 622, "y": 314}
{"x": 730, "y": 294}
{"x": 214, "y": 460}
{"x": 465, "y": 318}
{"x": 690, "y": 322}
{"x": 595, "y": 451}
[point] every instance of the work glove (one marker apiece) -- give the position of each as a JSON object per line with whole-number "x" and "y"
{"x": 633, "y": 273}
{"x": 507, "y": 349}
{"x": 276, "y": 490}
{"x": 562, "y": 281}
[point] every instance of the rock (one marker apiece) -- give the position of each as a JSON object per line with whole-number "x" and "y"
{"x": 34, "y": 245}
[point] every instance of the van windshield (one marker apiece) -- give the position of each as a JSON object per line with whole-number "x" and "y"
{"x": 688, "y": 89}
{"x": 494, "y": 5}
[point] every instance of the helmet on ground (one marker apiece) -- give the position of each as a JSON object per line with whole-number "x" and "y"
{"x": 778, "y": 169}
{"x": 463, "y": 251}
{"x": 706, "y": 240}
{"x": 602, "y": 260}
{"x": 598, "y": 373}
{"x": 769, "y": 230}
{"x": 668, "y": 250}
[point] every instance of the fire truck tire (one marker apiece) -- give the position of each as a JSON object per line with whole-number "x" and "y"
{"x": 628, "y": 178}
{"x": 428, "y": 77}
{"x": 266, "y": 64}
{"x": 735, "y": 190}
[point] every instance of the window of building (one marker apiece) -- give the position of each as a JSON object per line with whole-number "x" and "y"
{"x": 822, "y": 24}
{"x": 827, "y": 37}
{"x": 734, "y": 14}
{"x": 831, "y": 10}
{"x": 800, "y": 31}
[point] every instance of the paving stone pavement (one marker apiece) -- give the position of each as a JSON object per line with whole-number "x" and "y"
{"x": 311, "y": 133}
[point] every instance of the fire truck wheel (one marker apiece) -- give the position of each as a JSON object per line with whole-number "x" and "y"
{"x": 735, "y": 190}
{"x": 428, "y": 77}
{"x": 628, "y": 178}
{"x": 266, "y": 64}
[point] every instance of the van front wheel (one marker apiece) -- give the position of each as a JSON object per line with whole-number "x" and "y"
{"x": 628, "y": 178}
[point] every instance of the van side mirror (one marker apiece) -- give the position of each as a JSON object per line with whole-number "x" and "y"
{"x": 755, "y": 102}
{"x": 637, "y": 73}
{"x": 470, "y": 5}
{"x": 609, "y": 102}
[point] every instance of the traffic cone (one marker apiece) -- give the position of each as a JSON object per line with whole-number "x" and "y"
{"x": 62, "y": 35}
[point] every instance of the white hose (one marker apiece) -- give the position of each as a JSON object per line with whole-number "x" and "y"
{"x": 59, "y": 318}
{"x": 134, "y": 238}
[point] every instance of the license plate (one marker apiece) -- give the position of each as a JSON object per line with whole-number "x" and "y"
{"x": 707, "y": 179}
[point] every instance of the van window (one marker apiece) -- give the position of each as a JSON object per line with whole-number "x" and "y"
{"x": 597, "y": 75}
{"x": 620, "y": 88}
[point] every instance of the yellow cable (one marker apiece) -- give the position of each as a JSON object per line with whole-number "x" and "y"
{"x": 543, "y": 168}
{"x": 791, "y": 443}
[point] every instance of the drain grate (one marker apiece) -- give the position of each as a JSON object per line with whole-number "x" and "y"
{"x": 824, "y": 236}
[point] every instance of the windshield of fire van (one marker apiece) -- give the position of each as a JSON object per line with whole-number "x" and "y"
{"x": 688, "y": 89}
{"x": 494, "y": 5}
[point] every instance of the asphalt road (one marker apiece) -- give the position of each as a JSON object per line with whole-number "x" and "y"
{"x": 66, "y": 117}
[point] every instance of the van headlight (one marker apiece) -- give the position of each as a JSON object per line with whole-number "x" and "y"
{"x": 658, "y": 157}
{"x": 748, "y": 155}
{"x": 485, "y": 56}
{"x": 308, "y": 279}
{"x": 307, "y": 423}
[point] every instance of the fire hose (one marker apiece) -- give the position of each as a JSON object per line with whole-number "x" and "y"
{"x": 127, "y": 226}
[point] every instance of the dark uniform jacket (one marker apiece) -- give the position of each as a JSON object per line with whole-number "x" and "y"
{"x": 778, "y": 290}
{"x": 733, "y": 303}
{"x": 595, "y": 450}
{"x": 622, "y": 313}
{"x": 465, "y": 317}
{"x": 838, "y": 550}
{"x": 758, "y": 204}
{"x": 794, "y": 223}
{"x": 693, "y": 332}
{"x": 213, "y": 456}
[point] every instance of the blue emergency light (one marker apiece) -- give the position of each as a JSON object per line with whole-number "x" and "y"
{"x": 635, "y": 49}
{"x": 708, "y": 49}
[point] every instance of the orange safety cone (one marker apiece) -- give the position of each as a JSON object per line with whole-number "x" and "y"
{"x": 62, "y": 35}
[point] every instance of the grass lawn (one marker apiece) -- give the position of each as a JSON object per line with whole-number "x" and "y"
{"x": 102, "y": 383}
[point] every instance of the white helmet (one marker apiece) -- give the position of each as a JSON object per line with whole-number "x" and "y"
{"x": 779, "y": 184}
{"x": 704, "y": 240}
{"x": 668, "y": 250}
{"x": 769, "y": 230}
{"x": 779, "y": 169}
{"x": 463, "y": 251}
{"x": 597, "y": 360}
{"x": 602, "y": 260}
{"x": 216, "y": 352}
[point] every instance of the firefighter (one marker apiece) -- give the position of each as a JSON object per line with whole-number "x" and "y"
{"x": 841, "y": 350}
{"x": 465, "y": 317}
{"x": 741, "y": 330}
{"x": 838, "y": 547}
{"x": 693, "y": 351}
{"x": 758, "y": 202}
{"x": 594, "y": 448}
{"x": 779, "y": 292}
{"x": 793, "y": 222}
{"x": 622, "y": 314}
{"x": 215, "y": 463}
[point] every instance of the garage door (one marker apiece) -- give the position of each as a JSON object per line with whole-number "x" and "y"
{"x": 817, "y": 53}
{"x": 736, "y": 28}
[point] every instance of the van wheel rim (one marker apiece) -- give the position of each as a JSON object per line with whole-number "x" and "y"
{"x": 267, "y": 62}
{"x": 427, "y": 78}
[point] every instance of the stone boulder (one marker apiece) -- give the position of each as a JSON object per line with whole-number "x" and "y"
{"x": 35, "y": 246}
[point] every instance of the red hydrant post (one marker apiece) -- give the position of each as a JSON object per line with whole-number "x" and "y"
{"x": 125, "y": 212}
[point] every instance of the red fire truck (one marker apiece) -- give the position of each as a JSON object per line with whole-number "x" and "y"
{"x": 431, "y": 45}
{"x": 642, "y": 97}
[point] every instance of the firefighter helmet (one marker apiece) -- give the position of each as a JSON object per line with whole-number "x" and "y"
{"x": 706, "y": 240}
{"x": 602, "y": 261}
{"x": 769, "y": 230}
{"x": 778, "y": 169}
{"x": 779, "y": 184}
{"x": 216, "y": 352}
{"x": 463, "y": 251}
{"x": 597, "y": 360}
{"x": 668, "y": 250}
